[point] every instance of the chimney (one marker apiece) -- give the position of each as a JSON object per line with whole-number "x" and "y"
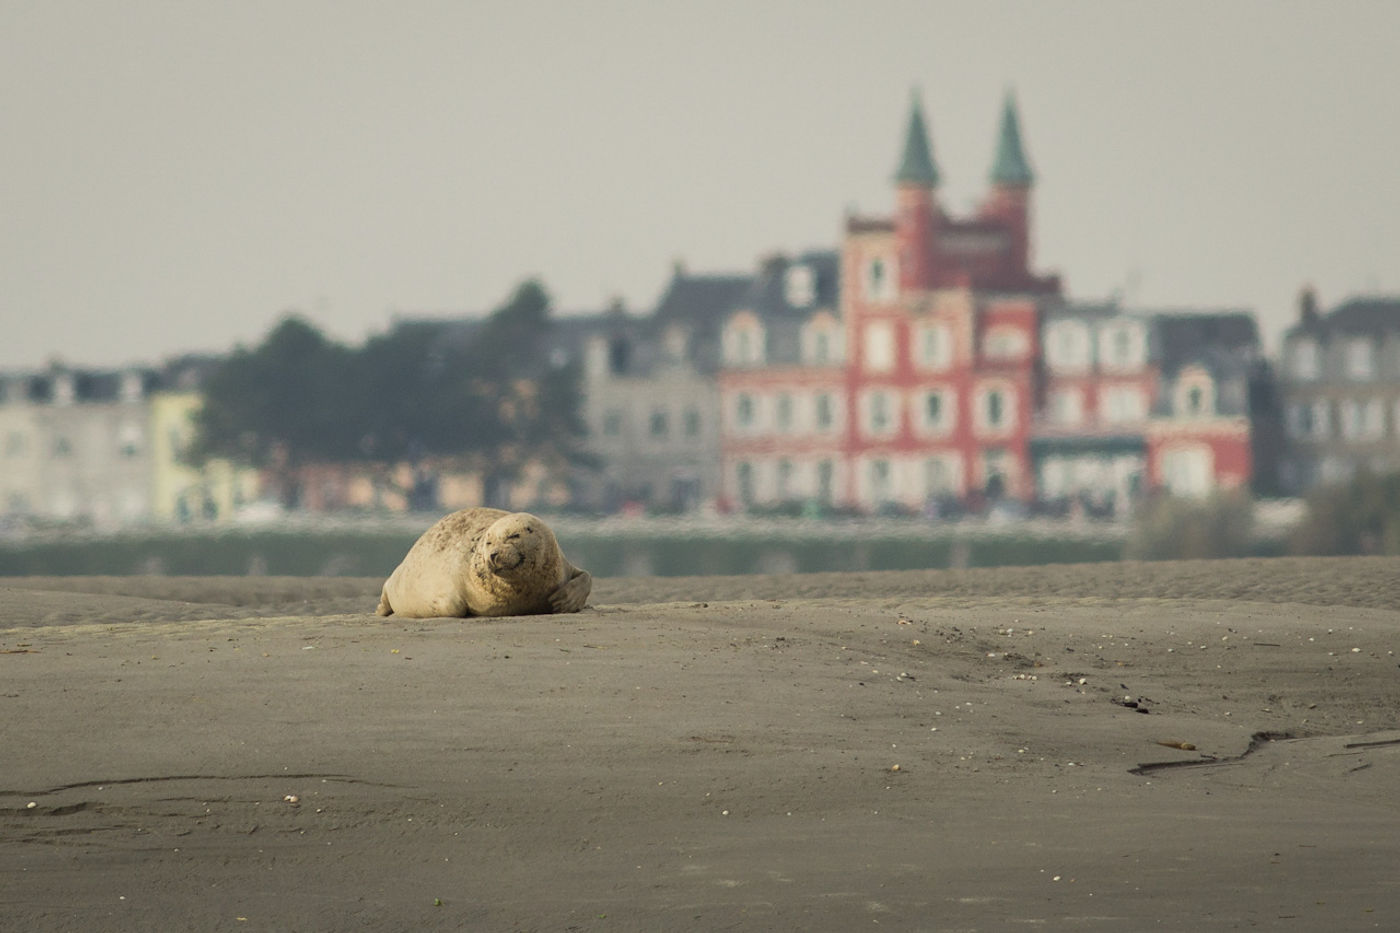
{"x": 1307, "y": 306}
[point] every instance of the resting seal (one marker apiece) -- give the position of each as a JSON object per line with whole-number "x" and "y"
{"x": 485, "y": 562}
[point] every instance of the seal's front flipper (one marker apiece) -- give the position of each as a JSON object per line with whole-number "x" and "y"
{"x": 384, "y": 608}
{"x": 572, "y": 593}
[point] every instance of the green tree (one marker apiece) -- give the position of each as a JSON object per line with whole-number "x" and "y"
{"x": 532, "y": 405}
{"x": 414, "y": 391}
{"x": 484, "y": 398}
{"x": 282, "y": 402}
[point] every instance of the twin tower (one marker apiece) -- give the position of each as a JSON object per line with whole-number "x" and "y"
{"x": 988, "y": 251}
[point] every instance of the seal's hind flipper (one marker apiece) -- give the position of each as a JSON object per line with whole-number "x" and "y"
{"x": 572, "y": 594}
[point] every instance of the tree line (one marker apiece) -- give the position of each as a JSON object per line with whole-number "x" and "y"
{"x": 484, "y": 399}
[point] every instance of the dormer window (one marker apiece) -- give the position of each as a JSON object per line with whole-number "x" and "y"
{"x": 1360, "y": 359}
{"x": 743, "y": 341}
{"x": 821, "y": 340}
{"x": 1303, "y": 359}
{"x": 132, "y": 387}
{"x": 676, "y": 341}
{"x": 1195, "y": 394}
{"x": 64, "y": 390}
{"x": 800, "y": 285}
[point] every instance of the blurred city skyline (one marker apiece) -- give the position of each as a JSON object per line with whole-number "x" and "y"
{"x": 177, "y": 177}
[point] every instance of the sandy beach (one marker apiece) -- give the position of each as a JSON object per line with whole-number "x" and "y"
{"x": 1182, "y": 745}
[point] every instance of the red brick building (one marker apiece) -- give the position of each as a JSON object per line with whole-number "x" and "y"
{"x": 921, "y": 377}
{"x": 920, "y": 383}
{"x": 941, "y": 313}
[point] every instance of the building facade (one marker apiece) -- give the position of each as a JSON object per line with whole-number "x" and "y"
{"x": 651, "y": 400}
{"x": 76, "y": 445}
{"x": 782, "y": 387}
{"x": 935, "y": 370}
{"x": 1089, "y": 438}
{"x": 108, "y": 448}
{"x": 928, "y": 395}
{"x": 182, "y": 492}
{"x": 1340, "y": 391}
{"x": 1199, "y": 438}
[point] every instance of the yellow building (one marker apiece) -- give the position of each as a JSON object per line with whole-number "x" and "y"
{"x": 181, "y": 492}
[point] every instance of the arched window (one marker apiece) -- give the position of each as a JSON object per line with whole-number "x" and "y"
{"x": 743, "y": 341}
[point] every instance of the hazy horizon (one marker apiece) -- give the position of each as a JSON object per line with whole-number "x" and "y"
{"x": 177, "y": 177}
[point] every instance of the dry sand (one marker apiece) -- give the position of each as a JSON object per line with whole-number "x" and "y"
{"x": 1111, "y": 747}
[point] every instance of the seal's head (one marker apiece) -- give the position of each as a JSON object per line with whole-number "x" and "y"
{"x": 517, "y": 546}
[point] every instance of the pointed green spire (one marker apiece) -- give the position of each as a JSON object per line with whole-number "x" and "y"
{"x": 1011, "y": 167}
{"x": 917, "y": 167}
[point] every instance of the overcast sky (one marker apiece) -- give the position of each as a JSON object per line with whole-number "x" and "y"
{"x": 174, "y": 176}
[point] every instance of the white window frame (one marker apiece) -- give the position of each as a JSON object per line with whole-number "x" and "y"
{"x": 833, "y": 420}
{"x": 1188, "y": 470}
{"x": 1303, "y": 359}
{"x": 880, "y": 278}
{"x": 743, "y": 341}
{"x": 933, "y": 346}
{"x": 822, "y": 326}
{"x": 950, "y": 465}
{"x": 983, "y": 408}
{"x": 784, "y": 413}
{"x": 1068, "y": 346}
{"x": 1362, "y": 419}
{"x": 1322, "y": 418}
{"x": 800, "y": 285}
{"x": 880, "y": 483}
{"x": 878, "y": 351}
{"x": 947, "y": 410}
{"x": 1005, "y": 342}
{"x": 1298, "y": 419}
{"x": 1360, "y": 359}
{"x": 1108, "y": 337}
{"x": 1067, "y": 406}
{"x": 753, "y": 423}
{"x": 1194, "y": 379}
{"x": 870, "y": 408}
{"x": 1123, "y": 404}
